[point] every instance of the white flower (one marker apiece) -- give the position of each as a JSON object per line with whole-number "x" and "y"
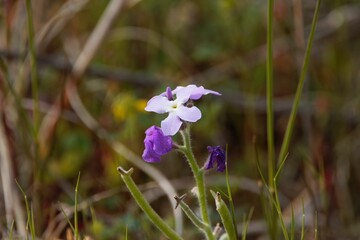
{"x": 178, "y": 112}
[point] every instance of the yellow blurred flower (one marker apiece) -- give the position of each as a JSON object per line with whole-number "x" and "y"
{"x": 140, "y": 104}
{"x": 126, "y": 105}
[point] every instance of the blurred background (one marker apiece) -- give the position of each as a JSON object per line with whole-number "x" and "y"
{"x": 78, "y": 106}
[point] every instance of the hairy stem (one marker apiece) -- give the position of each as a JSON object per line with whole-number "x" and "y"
{"x": 199, "y": 177}
{"x": 145, "y": 206}
{"x": 192, "y": 216}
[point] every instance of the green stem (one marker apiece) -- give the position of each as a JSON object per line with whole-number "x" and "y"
{"x": 192, "y": 216}
{"x": 145, "y": 206}
{"x": 34, "y": 82}
{"x": 187, "y": 150}
{"x": 229, "y": 193}
{"x": 269, "y": 93}
{"x": 76, "y": 228}
{"x": 303, "y": 222}
{"x": 246, "y": 224}
{"x": 29, "y": 213}
{"x": 316, "y": 226}
{"x": 272, "y": 224}
{"x": 198, "y": 175}
{"x": 295, "y": 106}
{"x": 11, "y": 230}
{"x": 278, "y": 210}
{"x": 36, "y": 118}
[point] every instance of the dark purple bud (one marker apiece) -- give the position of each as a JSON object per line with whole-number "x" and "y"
{"x": 218, "y": 156}
{"x": 169, "y": 94}
{"x": 156, "y": 144}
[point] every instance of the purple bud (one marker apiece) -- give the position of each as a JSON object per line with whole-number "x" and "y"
{"x": 156, "y": 144}
{"x": 169, "y": 94}
{"x": 217, "y": 154}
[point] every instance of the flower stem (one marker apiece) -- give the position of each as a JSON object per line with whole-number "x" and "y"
{"x": 199, "y": 177}
{"x": 145, "y": 206}
{"x": 192, "y": 216}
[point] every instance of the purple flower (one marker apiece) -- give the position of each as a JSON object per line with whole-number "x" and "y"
{"x": 177, "y": 109}
{"x": 217, "y": 154}
{"x": 156, "y": 144}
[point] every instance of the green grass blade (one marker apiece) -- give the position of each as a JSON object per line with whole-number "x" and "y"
{"x": 263, "y": 197}
{"x": 276, "y": 203}
{"x": 34, "y": 75}
{"x": 231, "y": 203}
{"x": 269, "y": 93}
{"x": 258, "y": 164}
{"x": 32, "y": 222}
{"x": 316, "y": 226}
{"x": 295, "y": 106}
{"x": 292, "y": 226}
{"x": 126, "y": 232}
{"x": 67, "y": 219}
{"x": 30, "y": 216}
{"x": 11, "y": 230}
{"x": 246, "y": 224}
{"x": 303, "y": 222}
{"x": 76, "y": 227}
{"x": 280, "y": 168}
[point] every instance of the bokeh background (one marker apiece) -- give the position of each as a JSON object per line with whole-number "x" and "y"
{"x": 92, "y": 120}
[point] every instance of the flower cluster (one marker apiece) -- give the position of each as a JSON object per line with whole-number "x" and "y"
{"x": 178, "y": 104}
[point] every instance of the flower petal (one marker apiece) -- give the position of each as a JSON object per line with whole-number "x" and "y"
{"x": 189, "y": 114}
{"x": 171, "y": 125}
{"x": 149, "y": 155}
{"x": 218, "y": 155}
{"x": 209, "y": 163}
{"x": 162, "y": 144}
{"x": 156, "y": 144}
{"x": 194, "y": 91}
{"x": 157, "y": 104}
{"x": 169, "y": 94}
{"x": 182, "y": 94}
{"x": 207, "y": 91}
